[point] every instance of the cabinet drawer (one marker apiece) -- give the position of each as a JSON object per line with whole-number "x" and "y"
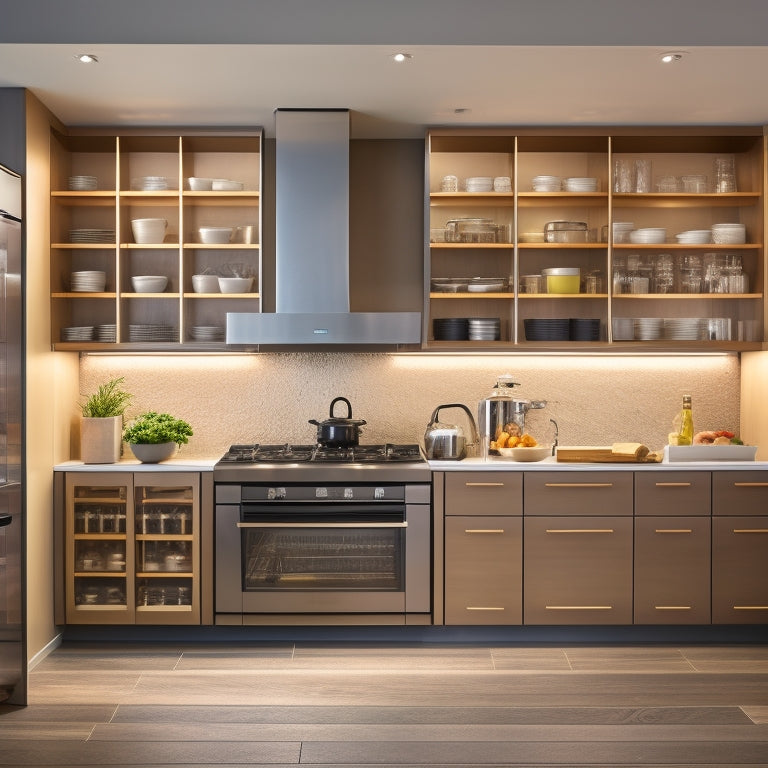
{"x": 670, "y": 493}
{"x": 740, "y": 570}
{"x": 672, "y": 568}
{"x": 578, "y": 493}
{"x": 483, "y": 493}
{"x": 739, "y": 493}
{"x": 577, "y": 571}
{"x": 483, "y": 570}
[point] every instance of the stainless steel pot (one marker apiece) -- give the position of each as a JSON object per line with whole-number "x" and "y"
{"x": 448, "y": 441}
{"x": 339, "y": 432}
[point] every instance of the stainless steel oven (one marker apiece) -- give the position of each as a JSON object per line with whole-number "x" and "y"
{"x": 343, "y": 540}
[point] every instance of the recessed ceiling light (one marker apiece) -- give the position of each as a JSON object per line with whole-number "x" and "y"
{"x": 401, "y": 57}
{"x": 671, "y": 56}
{"x": 87, "y": 58}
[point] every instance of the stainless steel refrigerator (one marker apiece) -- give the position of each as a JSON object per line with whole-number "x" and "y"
{"x": 13, "y": 663}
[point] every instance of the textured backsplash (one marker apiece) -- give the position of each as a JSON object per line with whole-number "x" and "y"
{"x": 596, "y": 400}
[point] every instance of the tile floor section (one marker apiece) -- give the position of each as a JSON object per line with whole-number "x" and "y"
{"x": 388, "y": 705}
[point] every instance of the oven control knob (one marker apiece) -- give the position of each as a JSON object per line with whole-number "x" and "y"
{"x": 321, "y": 493}
{"x": 276, "y": 493}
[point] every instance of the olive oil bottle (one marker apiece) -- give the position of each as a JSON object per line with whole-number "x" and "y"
{"x": 685, "y": 430}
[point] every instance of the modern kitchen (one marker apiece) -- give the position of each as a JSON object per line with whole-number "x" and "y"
{"x": 434, "y": 345}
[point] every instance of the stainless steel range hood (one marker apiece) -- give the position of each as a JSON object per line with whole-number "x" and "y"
{"x": 312, "y": 303}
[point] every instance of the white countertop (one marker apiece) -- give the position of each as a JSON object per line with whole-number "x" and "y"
{"x": 550, "y": 463}
{"x": 133, "y": 465}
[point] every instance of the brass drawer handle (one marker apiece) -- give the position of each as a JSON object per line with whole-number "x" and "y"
{"x": 750, "y": 530}
{"x": 578, "y": 485}
{"x": 579, "y": 607}
{"x": 484, "y": 608}
{"x": 672, "y": 607}
{"x": 484, "y": 485}
{"x": 750, "y": 485}
{"x": 673, "y": 530}
{"x": 674, "y": 485}
{"x": 750, "y": 607}
{"x": 579, "y": 530}
{"x": 483, "y": 530}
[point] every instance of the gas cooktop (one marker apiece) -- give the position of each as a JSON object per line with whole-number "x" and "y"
{"x": 314, "y": 463}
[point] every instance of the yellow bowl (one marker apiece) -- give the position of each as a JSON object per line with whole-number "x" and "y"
{"x": 535, "y": 453}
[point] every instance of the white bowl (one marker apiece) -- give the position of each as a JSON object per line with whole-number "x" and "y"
{"x": 198, "y": 184}
{"x": 149, "y": 283}
{"x": 535, "y": 453}
{"x": 205, "y": 284}
{"x": 226, "y": 185}
{"x": 149, "y": 230}
{"x": 235, "y": 284}
{"x": 217, "y": 235}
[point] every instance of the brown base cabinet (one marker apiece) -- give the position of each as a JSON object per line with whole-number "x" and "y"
{"x": 132, "y": 548}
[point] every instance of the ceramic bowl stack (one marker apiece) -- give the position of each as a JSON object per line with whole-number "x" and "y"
{"x": 106, "y": 332}
{"x": 214, "y": 235}
{"x": 484, "y": 328}
{"x": 149, "y": 283}
{"x": 623, "y": 328}
{"x": 149, "y": 231}
{"x": 451, "y": 328}
{"x": 694, "y": 237}
{"x": 91, "y": 235}
{"x": 82, "y": 183}
{"x": 502, "y": 184}
{"x": 729, "y": 234}
{"x": 684, "y": 328}
{"x": 479, "y": 184}
{"x": 546, "y": 184}
{"x": 226, "y": 185}
{"x": 88, "y": 281}
{"x": 200, "y": 184}
{"x": 648, "y": 328}
{"x": 77, "y": 333}
{"x": 648, "y": 235}
{"x": 146, "y": 332}
{"x": 580, "y": 184}
{"x": 207, "y": 333}
{"x": 486, "y": 285}
{"x": 149, "y": 184}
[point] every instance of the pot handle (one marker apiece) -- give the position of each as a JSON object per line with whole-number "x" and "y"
{"x": 341, "y": 400}
{"x": 472, "y": 423}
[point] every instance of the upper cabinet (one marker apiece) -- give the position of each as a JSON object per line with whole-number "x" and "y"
{"x": 581, "y": 238}
{"x": 182, "y": 213}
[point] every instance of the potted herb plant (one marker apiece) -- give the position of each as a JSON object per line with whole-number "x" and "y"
{"x": 155, "y": 436}
{"x": 101, "y": 427}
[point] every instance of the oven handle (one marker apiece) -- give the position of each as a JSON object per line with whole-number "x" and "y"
{"x": 322, "y": 525}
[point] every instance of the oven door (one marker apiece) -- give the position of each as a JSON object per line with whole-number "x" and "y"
{"x": 313, "y": 561}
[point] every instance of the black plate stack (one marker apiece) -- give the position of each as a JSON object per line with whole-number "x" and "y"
{"x": 584, "y": 329}
{"x": 547, "y": 329}
{"x": 451, "y": 328}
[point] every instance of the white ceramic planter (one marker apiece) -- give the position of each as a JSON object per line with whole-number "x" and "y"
{"x": 101, "y": 439}
{"x": 151, "y": 453}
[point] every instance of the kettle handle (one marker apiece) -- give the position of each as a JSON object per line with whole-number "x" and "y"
{"x": 341, "y": 400}
{"x": 475, "y": 437}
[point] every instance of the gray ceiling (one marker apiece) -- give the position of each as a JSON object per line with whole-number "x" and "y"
{"x": 506, "y": 62}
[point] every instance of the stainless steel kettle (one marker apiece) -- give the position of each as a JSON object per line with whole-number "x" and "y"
{"x": 448, "y": 441}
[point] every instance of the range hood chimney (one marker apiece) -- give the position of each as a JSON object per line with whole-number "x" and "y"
{"x": 312, "y": 245}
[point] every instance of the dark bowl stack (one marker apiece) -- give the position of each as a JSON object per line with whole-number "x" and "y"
{"x": 562, "y": 329}
{"x": 584, "y": 329}
{"x": 451, "y": 328}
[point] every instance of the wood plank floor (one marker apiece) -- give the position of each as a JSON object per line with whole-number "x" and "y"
{"x": 388, "y": 705}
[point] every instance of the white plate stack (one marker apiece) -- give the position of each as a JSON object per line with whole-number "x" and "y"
{"x": 77, "y": 333}
{"x": 648, "y": 235}
{"x": 91, "y": 235}
{"x": 88, "y": 281}
{"x": 207, "y": 333}
{"x": 152, "y": 333}
{"x": 694, "y": 237}
{"x": 479, "y": 184}
{"x": 580, "y": 184}
{"x": 729, "y": 234}
{"x": 82, "y": 183}
{"x": 106, "y": 332}
{"x": 684, "y": 328}
{"x": 621, "y": 231}
{"x": 502, "y": 184}
{"x": 546, "y": 184}
{"x": 648, "y": 328}
{"x": 484, "y": 328}
{"x": 149, "y": 184}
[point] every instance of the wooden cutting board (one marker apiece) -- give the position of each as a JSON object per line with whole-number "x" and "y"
{"x": 600, "y": 454}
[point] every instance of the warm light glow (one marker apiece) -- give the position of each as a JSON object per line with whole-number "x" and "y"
{"x": 671, "y": 57}
{"x": 87, "y": 58}
{"x": 401, "y": 57}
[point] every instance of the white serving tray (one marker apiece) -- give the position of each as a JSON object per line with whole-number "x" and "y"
{"x": 674, "y": 453}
